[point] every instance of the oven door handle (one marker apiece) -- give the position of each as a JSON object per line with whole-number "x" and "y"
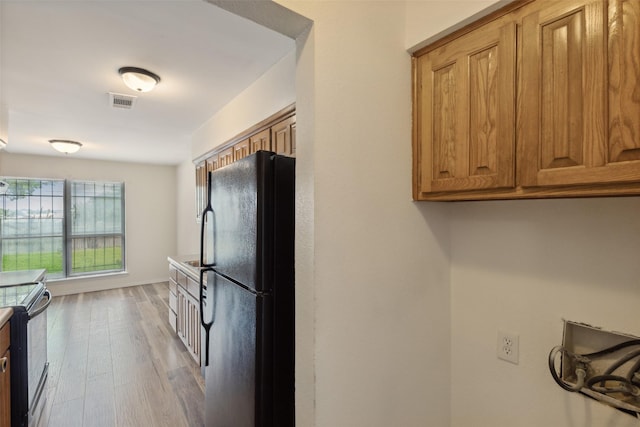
{"x": 42, "y": 307}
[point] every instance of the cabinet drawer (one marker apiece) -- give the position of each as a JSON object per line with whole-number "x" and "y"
{"x": 193, "y": 288}
{"x": 4, "y": 338}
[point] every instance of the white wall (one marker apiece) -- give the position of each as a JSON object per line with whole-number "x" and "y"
{"x": 523, "y": 266}
{"x": 378, "y": 287}
{"x": 150, "y": 194}
{"x": 431, "y": 19}
{"x": 269, "y": 94}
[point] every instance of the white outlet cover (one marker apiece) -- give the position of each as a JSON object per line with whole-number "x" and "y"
{"x": 508, "y": 347}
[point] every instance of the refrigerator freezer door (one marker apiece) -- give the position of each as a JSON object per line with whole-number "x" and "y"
{"x": 242, "y": 201}
{"x": 238, "y": 378}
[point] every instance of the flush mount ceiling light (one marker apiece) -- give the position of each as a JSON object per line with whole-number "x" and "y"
{"x": 65, "y": 146}
{"x": 139, "y": 79}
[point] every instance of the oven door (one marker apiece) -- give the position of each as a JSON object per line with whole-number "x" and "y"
{"x": 37, "y": 364}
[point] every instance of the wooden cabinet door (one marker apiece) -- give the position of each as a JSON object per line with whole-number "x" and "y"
{"x": 281, "y": 137}
{"x": 212, "y": 163}
{"x": 260, "y": 141}
{"x": 241, "y": 150}
{"x": 624, "y": 89}
{"x": 226, "y": 157}
{"x": 563, "y": 102}
{"x": 201, "y": 188}
{"x": 464, "y": 111}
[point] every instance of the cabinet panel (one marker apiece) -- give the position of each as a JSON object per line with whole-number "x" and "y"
{"x": 260, "y": 141}
{"x": 188, "y": 323}
{"x": 173, "y": 318}
{"x": 212, "y": 164}
{"x": 201, "y": 188}
{"x": 465, "y": 92}
{"x": 181, "y": 279}
{"x": 293, "y": 139}
{"x": 241, "y": 150}
{"x": 173, "y": 302}
{"x": 563, "y": 102}
{"x": 184, "y": 309}
{"x": 281, "y": 137}
{"x": 624, "y": 81}
{"x": 225, "y": 157}
{"x": 193, "y": 287}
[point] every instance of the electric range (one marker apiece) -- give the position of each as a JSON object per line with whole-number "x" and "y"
{"x": 28, "y": 348}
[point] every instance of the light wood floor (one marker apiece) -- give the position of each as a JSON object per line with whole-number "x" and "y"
{"x": 114, "y": 361}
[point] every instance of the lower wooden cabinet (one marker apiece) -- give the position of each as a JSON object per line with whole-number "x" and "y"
{"x": 5, "y": 377}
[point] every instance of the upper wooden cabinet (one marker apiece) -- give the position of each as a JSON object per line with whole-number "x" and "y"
{"x": 563, "y": 100}
{"x": 575, "y": 124}
{"x": 260, "y": 141}
{"x": 466, "y": 111}
{"x": 201, "y": 187}
{"x": 283, "y": 137}
{"x": 225, "y": 157}
{"x": 276, "y": 133}
{"x": 241, "y": 149}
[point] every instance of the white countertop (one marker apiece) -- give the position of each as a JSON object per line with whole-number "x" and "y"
{"x": 9, "y": 278}
{"x": 182, "y": 262}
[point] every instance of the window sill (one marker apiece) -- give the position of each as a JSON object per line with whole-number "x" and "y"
{"x": 87, "y": 276}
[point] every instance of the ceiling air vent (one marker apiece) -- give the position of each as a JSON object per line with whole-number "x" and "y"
{"x": 118, "y": 100}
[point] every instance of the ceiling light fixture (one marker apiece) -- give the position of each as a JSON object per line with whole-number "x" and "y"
{"x": 3, "y": 144}
{"x": 65, "y": 146}
{"x": 139, "y": 79}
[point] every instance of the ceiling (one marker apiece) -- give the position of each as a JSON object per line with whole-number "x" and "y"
{"x": 60, "y": 59}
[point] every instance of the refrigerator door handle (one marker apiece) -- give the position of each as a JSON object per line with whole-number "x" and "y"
{"x": 206, "y": 219}
{"x": 205, "y": 325}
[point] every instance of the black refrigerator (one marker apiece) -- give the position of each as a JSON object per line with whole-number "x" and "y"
{"x": 247, "y": 293}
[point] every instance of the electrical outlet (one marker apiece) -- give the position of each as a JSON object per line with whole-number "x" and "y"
{"x": 508, "y": 347}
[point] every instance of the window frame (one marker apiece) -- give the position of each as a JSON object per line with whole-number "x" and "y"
{"x": 67, "y": 235}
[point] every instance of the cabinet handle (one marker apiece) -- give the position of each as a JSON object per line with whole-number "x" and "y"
{"x": 3, "y": 365}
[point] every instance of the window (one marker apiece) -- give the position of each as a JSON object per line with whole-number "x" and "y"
{"x": 71, "y": 228}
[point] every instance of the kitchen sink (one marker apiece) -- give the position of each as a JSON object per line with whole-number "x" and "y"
{"x": 195, "y": 263}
